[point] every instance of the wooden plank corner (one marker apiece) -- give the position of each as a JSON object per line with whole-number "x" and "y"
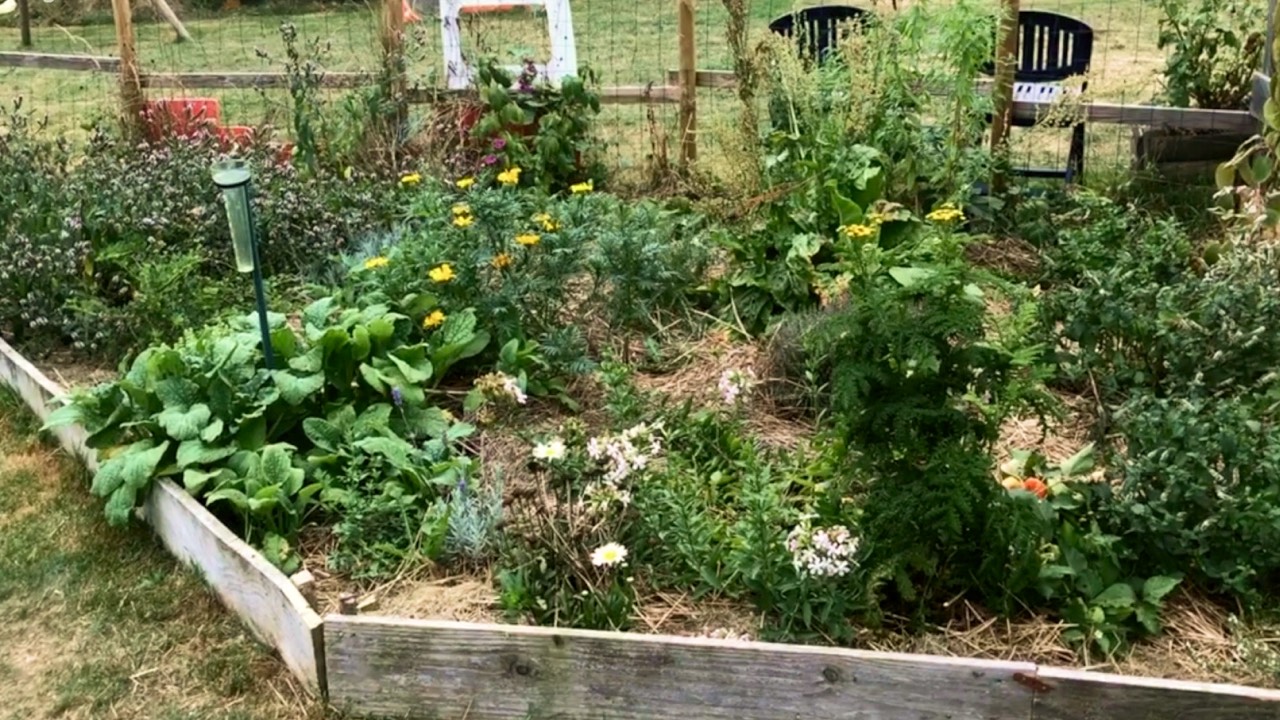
{"x": 261, "y": 596}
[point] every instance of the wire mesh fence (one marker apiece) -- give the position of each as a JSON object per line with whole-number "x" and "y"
{"x": 627, "y": 42}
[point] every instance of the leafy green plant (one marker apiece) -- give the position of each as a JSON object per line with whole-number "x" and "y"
{"x": 1213, "y": 49}
{"x": 543, "y": 130}
{"x": 350, "y": 395}
{"x": 919, "y": 375}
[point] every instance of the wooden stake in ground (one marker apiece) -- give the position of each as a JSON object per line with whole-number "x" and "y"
{"x": 1002, "y": 92}
{"x": 130, "y": 87}
{"x": 392, "y": 36}
{"x": 166, "y": 12}
{"x": 24, "y": 21}
{"x": 688, "y": 84}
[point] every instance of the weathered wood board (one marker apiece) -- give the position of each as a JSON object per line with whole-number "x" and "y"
{"x": 49, "y": 61}
{"x": 426, "y": 669}
{"x": 258, "y": 593}
{"x": 1080, "y": 695}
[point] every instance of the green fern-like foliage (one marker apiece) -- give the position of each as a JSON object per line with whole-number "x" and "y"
{"x": 920, "y": 375}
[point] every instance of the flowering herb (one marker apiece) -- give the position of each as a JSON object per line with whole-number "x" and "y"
{"x": 822, "y": 551}
{"x": 734, "y": 383}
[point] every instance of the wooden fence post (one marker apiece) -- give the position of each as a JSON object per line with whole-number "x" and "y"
{"x": 24, "y": 21}
{"x": 1002, "y": 92}
{"x": 688, "y": 84}
{"x": 392, "y": 30}
{"x": 130, "y": 85}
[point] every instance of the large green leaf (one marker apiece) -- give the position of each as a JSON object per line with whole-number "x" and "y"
{"x": 196, "y": 480}
{"x": 65, "y": 415}
{"x": 276, "y": 463}
{"x": 1155, "y": 588}
{"x": 323, "y": 434}
{"x": 413, "y": 374}
{"x": 373, "y": 377}
{"x": 910, "y": 276}
{"x": 458, "y": 328}
{"x": 198, "y": 452}
{"x": 184, "y": 423}
{"x": 394, "y": 449}
{"x": 294, "y": 389}
{"x": 308, "y": 362}
{"x": 373, "y": 421}
{"x": 178, "y": 392}
{"x": 120, "y": 505}
{"x": 317, "y": 314}
{"x": 1118, "y": 596}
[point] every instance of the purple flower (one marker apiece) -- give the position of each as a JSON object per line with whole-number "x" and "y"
{"x": 490, "y": 160}
{"x": 499, "y": 143}
{"x": 397, "y": 397}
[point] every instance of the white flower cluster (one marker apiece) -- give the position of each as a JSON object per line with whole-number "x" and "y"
{"x": 734, "y": 383}
{"x": 822, "y": 552}
{"x": 626, "y": 452}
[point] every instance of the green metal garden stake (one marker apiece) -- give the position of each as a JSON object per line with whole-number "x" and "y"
{"x": 233, "y": 178}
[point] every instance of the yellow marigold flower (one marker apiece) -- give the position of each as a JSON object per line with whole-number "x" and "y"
{"x": 442, "y": 274}
{"x": 502, "y": 260}
{"x": 462, "y": 209}
{"x": 374, "y": 263}
{"x": 433, "y": 320}
{"x": 877, "y": 218}
{"x": 547, "y": 222}
{"x": 528, "y": 239}
{"x": 858, "y": 231}
{"x": 510, "y": 176}
{"x": 582, "y": 187}
{"x": 463, "y": 221}
{"x": 410, "y": 180}
{"x": 464, "y": 183}
{"x": 945, "y": 213}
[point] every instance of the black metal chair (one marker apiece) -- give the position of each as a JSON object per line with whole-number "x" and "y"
{"x": 1051, "y": 48}
{"x": 816, "y": 29}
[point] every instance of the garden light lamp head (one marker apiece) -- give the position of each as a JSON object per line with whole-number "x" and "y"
{"x": 233, "y": 177}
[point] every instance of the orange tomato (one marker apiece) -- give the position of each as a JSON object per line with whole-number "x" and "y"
{"x": 1037, "y": 486}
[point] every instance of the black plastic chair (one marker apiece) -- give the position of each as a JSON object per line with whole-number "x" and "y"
{"x": 818, "y": 27}
{"x": 1051, "y": 48}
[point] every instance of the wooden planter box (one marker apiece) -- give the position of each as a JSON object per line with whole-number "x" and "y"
{"x": 406, "y": 668}
{"x": 1185, "y": 153}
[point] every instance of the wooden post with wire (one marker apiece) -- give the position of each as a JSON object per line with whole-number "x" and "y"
{"x": 688, "y": 84}
{"x": 1002, "y": 91}
{"x": 24, "y": 21}
{"x": 391, "y": 29}
{"x": 126, "y": 47}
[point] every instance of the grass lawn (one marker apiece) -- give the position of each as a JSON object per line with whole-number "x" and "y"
{"x": 96, "y": 622}
{"x": 628, "y": 43}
